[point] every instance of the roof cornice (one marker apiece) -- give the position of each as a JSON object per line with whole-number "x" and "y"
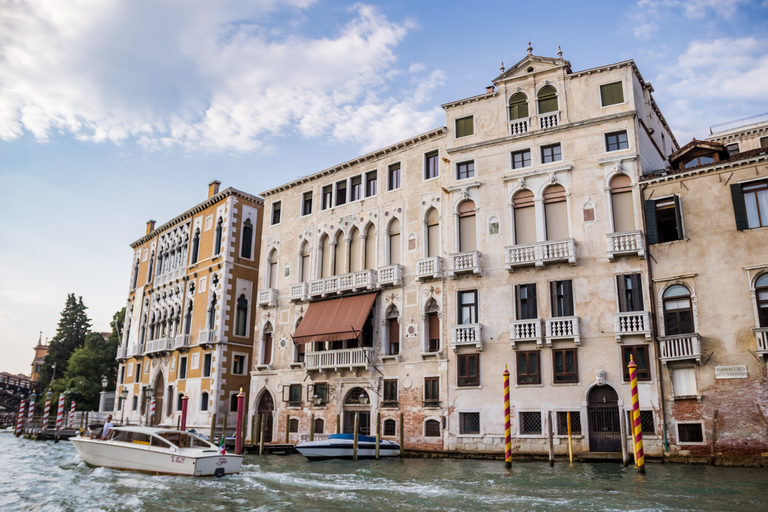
{"x": 720, "y": 166}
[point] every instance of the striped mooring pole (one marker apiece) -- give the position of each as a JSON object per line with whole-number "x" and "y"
{"x": 151, "y": 411}
{"x": 71, "y": 419}
{"x": 507, "y": 424}
{"x": 59, "y": 417}
{"x": 46, "y": 411}
{"x": 20, "y": 419}
{"x": 637, "y": 429}
{"x": 30, "y": 415}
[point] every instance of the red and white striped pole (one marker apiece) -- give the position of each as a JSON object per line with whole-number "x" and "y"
{"x": 20, "y": 419}
{"x": 152, "y": 411}
{"x": 71, "y": 419}
{"x": 46, "y": 411}
{"x": 30, "y": 414}
{"x": 59, "y": 417}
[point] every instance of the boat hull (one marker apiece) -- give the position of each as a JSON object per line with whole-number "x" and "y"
{"x": 343, "y": 449}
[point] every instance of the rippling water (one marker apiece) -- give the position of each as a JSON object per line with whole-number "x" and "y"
{"x": 43, "y": 476}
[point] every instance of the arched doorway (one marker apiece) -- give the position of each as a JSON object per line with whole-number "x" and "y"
{"x": 357, "y": 401}
{"x": 604, "y": 426}
{"x": 266, "y": 407}
{"x": 158, "y": 392}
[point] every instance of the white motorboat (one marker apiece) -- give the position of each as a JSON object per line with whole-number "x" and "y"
{"x": 156, "y": 450}
{"x": 341, "y": 446}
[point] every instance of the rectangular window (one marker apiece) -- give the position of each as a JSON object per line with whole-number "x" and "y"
{"x": 341, "y": 193}
{"x": 525, "y": 297}
{"x": 292, "y": 394}
{"x": 465, "y": 127}
{"x": 690, "y": 433}
{"x": 390, "y": 393}
{"x": 562, "y": 423}
{"x": 320, "y": 393}
{"x": 630, "y": 289}
{"x": 684, "y": 382}
{"x": 183, "y": 367}
{"x": 551, "y": 153}
{"x": 521, "y": 159}
{"x": 732, "y": 148}
{"x": 370, "y": 184}
{"x": 756, "y": 203}
{"x": 327, "y": 197}
{"x": 465, "y": 170}
{"x": 468, "y": 307}
{"x": 530, "y": 423}
{"x": 647, "y": 422}
{"x": 432, "y": 428}
{"x": 562, "y": 298}
{"x": 393, "y": 172}
{"x": 357, "y": 188}
{"x": 566, "y": 365}
{"x": 390, "y": 427}
{"x": 663, "y": 220}
{"x": 207, "y": 365}
{"x": 122, "y": 375}
{"x": 639, "y": 355}
{"x": 528, "y": 368}
{"x": 469, "y": 369}
{"x": 276, "y": 213}
{"x": 306, "y": 203}
{"x": 394, "y": 336}
{"x": 764, "y": 142}
{"x": 469, "y": 423}
{"x": 434, "y": 331}
{"x": 431, "y": 391}
{"x": 611, "y": 94}
{"x": 431, "y": 169}
{"x": 238, "y": 365}
{"x": 616, "y": 141}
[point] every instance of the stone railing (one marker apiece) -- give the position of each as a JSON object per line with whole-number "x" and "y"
{"x": 159, "y": 345}
{"x": 627, "y": 243}
{"x": 761, "y": 334}
{"x": 562, "y": 327}
{"x": 181, "y": 342}
{"x": 632, "y": 322}
{"x": 549, "y": 120}
{"x": 299, "y": 292}
{"x": 680, "y": 347}
{"x": 391, "y": 275}
{"x": 539, "y": 253}
{"x": 134, "y": 349}
{"x": 429, "y": 268}
{"x": 365, "y": 279}
{"x": 207, "y": 336}
{"x": 334, "y": 359}
{"x": 167, "y": 277}
{"x": 519, "y": 126}
{"x": 466, "y": 334}
{"x": 121, "y": 353}
{"x": 525, "y": 330}
{"x": 464, "y": 263}
{"x": 267, "y": 298}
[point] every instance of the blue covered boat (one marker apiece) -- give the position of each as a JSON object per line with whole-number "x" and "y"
{"x": 340, "y": 446}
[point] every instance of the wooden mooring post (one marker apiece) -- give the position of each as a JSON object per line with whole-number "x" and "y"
{"x": 402, "y": 435}
{"x": 570, "y": 438}
{"x": 261, "y": 433}
{"x": 253, "y": 430}
{"x": 354, "y": 443}
{"x": 378, "y": 434}
{"x": 224, "y": 429}
{"x": 213, "y": 427}
{"x": 549, "y": 438}
{"x": 338, "y": 424}
{"x": 312, "y": 427}
{"x": 287, "y": 428}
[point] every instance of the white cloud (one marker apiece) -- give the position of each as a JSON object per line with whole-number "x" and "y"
{"x": 215, "y": 75}
{"x": 648, "y": 15}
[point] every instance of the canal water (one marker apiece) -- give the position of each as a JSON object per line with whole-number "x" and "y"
{"x": 47, "y": 477}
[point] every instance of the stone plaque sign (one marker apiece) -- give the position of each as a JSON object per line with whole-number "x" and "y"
{"x": 737, "y": 371}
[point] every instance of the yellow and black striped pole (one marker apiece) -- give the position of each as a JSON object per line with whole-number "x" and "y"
{"x": 507, "y": 425}
{"x": 637, "y": 429}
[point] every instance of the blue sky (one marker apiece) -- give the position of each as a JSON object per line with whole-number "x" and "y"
{"x": 115, "y": 112}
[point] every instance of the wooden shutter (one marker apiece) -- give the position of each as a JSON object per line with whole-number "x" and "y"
{"x": 553, "y": 297}
{"x": 637, "y": 292}
{"x": 651, "y": 229}
{"x": 622, "y": 290}
{"x": 434, "y": 326}
{"x": 568, "y": 298}
{"x": 267, "y": 348}
{"x": 678, "y": 218}
{"x": 739, "y": 208}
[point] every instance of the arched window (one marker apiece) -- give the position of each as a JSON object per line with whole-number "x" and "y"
{"x": 393, "y": 332}
{"x": 433, "y": 326}
{"x": 188, "y": 318}
{"x": 518, "y": 106}
{"x": 394, "y": 242}
{"x": 678, "y": 311}
{"x": 169, "y": 402}
{"x": 272, "y": 270}
{"x": 304, "y": 277}
{"x": 179, "y": 401}
{"x": 195, "y": 245}
{"x": 556, "y": 212}
{"x": 204, "y": 401}
{"x": 159, "y": 269}
{"x": 525, "y": 217}
{"x": 266, "y": 345}
{"x": 326, "y": 262}
{"x": 390, "y": 427}
{"x": 357, "y": 396}
{"x": 433, "y": 233}
{"x": 217, "y": 242}
{"x": 151, "y": 266}
{"x": 338, "y": 260}
{"x": 135, "y": 404}
{"x": 467, "y": 229}
{"x": 621, "y": 204}
{"x": 241, "y": 316}
{"x": 370, "y": 247}
{"x": 135, "y": 279}
{"x": 142, "y": 332}
{"x": 547, "y": 97}
{"x": 431, "y": 428}
{"x": 212, "y": 313}
{"x": 245, "y": 251}
{"x": 319, "y": 426}
{"x": 761, "y": 293}
{"x": 355, "y": 247}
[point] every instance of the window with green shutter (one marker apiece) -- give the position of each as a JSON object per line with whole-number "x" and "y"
{"x": 518, "y": 106}
{"x": 611, "y": 94}
{"x": 547, "y": 99}
{"x": 465, "y": 126}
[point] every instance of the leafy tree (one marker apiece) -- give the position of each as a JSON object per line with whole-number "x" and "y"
{"x": 74, "y": 325}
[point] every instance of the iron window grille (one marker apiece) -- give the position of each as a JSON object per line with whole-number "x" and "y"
{"x": 562, "y": 423}
{"x": 294, "y": 427}
{"x": 530, "y": 423}
{"x": 390, "y": 427}
{"x": 647, "y": 422}
{"x": 690, "y": 433}
{"x": 431, "y": 428}
{"x": 469, "y": 423}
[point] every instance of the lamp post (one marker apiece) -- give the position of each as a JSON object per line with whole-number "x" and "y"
{"x": 123, "y": 398}
{"x": 103, "y": 394}
{"x": 363, "y": 398}
{"x": 148, "y": 391}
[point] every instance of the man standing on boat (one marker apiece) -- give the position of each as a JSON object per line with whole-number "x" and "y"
{"x": 108, "y": 425}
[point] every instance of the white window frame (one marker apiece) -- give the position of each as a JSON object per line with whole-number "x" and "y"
{"x": 519, "y": 414}
{"x": 458, "y": 422}
{"x": 703, "y": 434}
{"x": 245, "y": 363}
{"x": 272, "y": 212}
{"x": 402, "y": 173}
{"x": 623, "y": 94}
{"x": 312, "y": 201}
{"x": 456, "y": 131}
{"x": 424, "y": 163}
{"x": 551, "y": 143}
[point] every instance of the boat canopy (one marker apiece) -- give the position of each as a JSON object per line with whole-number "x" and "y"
{"x": 334, "y": 320}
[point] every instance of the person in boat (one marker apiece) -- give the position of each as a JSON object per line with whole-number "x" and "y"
{"x": 108, "y": 425}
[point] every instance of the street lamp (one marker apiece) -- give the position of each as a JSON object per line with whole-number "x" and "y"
{"x": 123, "y": 398}
{"x": 363, "y": 398}
{"x": 104, "y": 382}
{"x": 148, "y": 394}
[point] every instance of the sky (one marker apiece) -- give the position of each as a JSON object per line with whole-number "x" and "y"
{"x": 116, "y": 112}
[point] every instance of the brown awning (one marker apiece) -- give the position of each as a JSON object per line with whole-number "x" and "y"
{"x": 334, "y": 320}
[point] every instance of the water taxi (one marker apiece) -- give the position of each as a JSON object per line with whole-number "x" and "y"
{"x": 155, "y": 450}
{"x": 340, "y": 446}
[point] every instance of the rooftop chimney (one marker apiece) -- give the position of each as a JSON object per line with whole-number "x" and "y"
{"x": 213, "y": 188}
{"x": 150, "y": 226}
{"x": 489, "y": 89}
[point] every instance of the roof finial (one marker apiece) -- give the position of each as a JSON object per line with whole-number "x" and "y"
{"x": 502, "y": 66}
{"x": 40, "y": 339}
{"x": 530, "y": 48}
{"x": 559, "y": 52}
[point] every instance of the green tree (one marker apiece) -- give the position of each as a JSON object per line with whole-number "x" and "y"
{"x": 74, "y": 325}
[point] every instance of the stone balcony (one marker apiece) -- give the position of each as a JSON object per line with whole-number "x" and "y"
{"x": 540, "y": 253}
{"x": 391, "y": 275}
{"x": 562, "y": 328}
{"x": 349, "y": 358}
{"x": 181, "y": 342}
{"x": 549, "y": 120}
{"x": 466, "y": 335}
{"x": 299, "y": 292}
{"x": 525, "y": 330}
{"x": 134, "y": 349}
{"x": 159, "y": 346}
{"x": 761, "y": 334}
{"x": 169, "y": 277}
{"x": 207, "y": 337}
{"x": 267, "y": 298}
{"x": 680, "y": 347}
{"x": 338, "y": 285}
{"x": 464, "y": 263}
{"x": 519, "y": 126}
{"x": 429, "y": 268}
{"x": 122, "y": 353}
{"x": 632, "y": 323}
{"x": 629, "y": 243}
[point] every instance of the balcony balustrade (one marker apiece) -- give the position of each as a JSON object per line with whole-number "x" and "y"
{"x": 632, "y": 322}
{"x": 351, "y": 358}
{"x": 181, "y": 342}
{"x": 121, "y": 353}
{"x": 391, "y": 275}
{"x": 169, "y": 277}
{"x": 626, "y": 244}
{"x": 761, "y": 333}
{"x": 519, "y": 126}
{"x": 525, "y": 330}
{"x": 134, "y": 349}
{"x": 540, "y": 253}
{"x": 299, "y": 292}
{"x": 466, "y": 334}
{"x": 352, "y": 282}
{"x": 464, "y": 263}
{"x": 159, "y": 346}
{"x": 561, "y": 328}
{"x": 680, "y": 347}
{"x": 267, "y": 298}
{"x": 429, "y": 268}
{"x": 207, "y": 337}
{"x": 549, "y": 120}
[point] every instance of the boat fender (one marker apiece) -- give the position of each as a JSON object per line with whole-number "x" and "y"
{"x": 218, "y": 473}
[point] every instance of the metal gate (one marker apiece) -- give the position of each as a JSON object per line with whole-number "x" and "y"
{"x": 604, "y": 426}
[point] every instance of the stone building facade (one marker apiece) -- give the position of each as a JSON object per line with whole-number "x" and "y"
{"x": 190, "y": 312}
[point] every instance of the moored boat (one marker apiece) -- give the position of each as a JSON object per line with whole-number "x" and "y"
{"x": 156, "y": 450}
{"x": 340, "y": 446}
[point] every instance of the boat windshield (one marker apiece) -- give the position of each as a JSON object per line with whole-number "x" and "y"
{"x": 127, "y": 436}
{"x": 185, "y": 440}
